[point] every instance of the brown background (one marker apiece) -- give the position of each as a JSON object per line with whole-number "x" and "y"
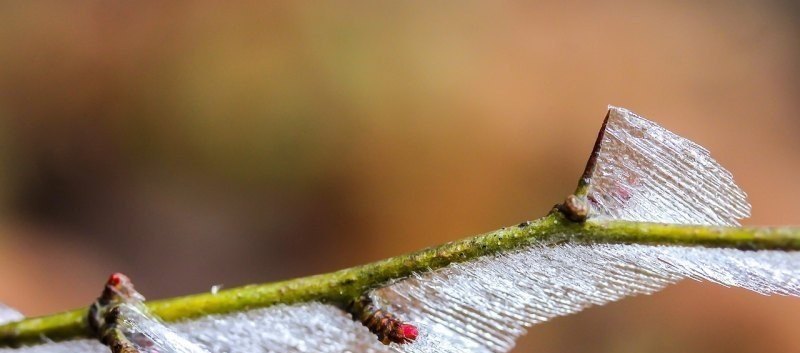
{"x": 197, "y": 143}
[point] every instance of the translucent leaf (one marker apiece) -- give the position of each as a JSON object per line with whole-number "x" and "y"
{"x": 484, "y": 305}
{"x": 645, "y": 173}
{"x": 312, "y": 327}
{"x": 148, "y": 335}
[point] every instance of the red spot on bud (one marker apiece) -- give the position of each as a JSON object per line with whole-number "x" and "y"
{"x": 409, "y": 331}
{"x": 116, "y": 279}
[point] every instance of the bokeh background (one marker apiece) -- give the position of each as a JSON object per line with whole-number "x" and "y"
{"x": 198, "y": 143}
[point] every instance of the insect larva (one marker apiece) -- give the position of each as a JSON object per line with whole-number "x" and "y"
{"x": 118, "y": 289}
{"x": 104, "y": 314}
{"x": 388, "y": 327}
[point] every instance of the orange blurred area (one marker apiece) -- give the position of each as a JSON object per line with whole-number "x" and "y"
{"x": 190, "y": 144}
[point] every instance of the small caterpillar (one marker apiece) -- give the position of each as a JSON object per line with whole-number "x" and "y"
{"x": 104, "y": 314}
{"x": 118, "y": 289}
{"x": 383, "y": 324}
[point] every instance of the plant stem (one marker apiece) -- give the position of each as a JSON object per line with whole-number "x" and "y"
{"x": 342, "y": 286}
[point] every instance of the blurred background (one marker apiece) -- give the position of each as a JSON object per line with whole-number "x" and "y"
{"x": 196, "y": 143}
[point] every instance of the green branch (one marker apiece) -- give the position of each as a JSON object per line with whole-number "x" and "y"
{"x": 342, "y": 286}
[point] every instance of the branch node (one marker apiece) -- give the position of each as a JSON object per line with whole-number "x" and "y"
{"x": 575, "y": 208}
